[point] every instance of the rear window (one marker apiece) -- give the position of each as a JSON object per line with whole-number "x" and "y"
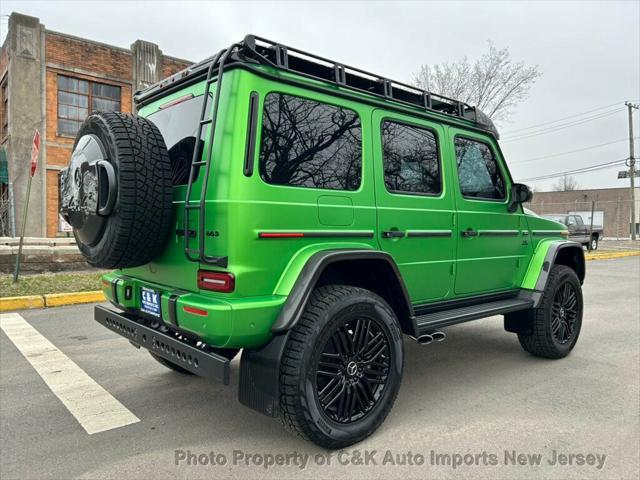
{"x": 410, "y": 159}
{"x": 178, "y": 124}
{"x": 310, "y": 144}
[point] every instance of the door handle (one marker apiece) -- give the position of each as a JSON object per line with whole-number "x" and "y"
{"x": 393, "y": 234}
{"x": 468, "y": 233}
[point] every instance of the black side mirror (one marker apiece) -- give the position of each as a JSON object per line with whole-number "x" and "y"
{"x": 520, "y": 193}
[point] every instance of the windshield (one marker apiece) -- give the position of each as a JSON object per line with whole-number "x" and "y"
{"x": 177, "y": 121}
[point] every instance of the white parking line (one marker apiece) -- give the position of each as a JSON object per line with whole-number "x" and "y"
{"x": 94, "y": 408}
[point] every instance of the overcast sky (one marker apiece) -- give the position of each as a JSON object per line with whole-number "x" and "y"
{"x": 588, "y": 52}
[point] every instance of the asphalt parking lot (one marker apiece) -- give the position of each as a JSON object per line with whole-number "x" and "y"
{"x": 475, "y": 399}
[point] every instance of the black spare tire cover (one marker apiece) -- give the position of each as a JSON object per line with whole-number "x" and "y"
{"x": 117, "y": 191}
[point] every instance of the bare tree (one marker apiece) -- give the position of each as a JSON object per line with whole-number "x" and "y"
{"x": 565, "y": 184}
{"x": 494, "y": 83}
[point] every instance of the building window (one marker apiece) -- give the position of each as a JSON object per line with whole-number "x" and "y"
{"x": 478, "y": 171}
{"x": 4, "y": 110}
{"x": 410, "y": 158}
{"x": 78, "y": 98}
{"x": 310, "y": 144}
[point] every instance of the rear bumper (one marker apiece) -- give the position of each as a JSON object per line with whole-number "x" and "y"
{"x": 165, "y": 344}
{"x": 220, "y": 322}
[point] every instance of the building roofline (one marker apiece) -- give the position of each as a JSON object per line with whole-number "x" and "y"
{"x": 171, "y": 57}
{"x": 87, "y": 40}
{"x": 108, "y": 45}
{"x": 578, "y": 190}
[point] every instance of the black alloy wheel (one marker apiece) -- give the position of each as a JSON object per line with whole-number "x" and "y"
{"x": 564, "y": 312}
{"x": 353, "y": 370}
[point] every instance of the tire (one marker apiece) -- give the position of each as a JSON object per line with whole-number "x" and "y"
{"x": 550, "y": 322}
{"x": 371, "y": 342}
{"x": 594, "y": 242}
{"x": 117, "y": 190}
{"x": 228, "y": 353}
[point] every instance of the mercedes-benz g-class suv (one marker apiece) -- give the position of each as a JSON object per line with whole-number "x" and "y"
{"x": 312, "y": 215}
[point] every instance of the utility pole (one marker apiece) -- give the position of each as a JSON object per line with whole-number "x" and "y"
{"x": 632, "y": 169}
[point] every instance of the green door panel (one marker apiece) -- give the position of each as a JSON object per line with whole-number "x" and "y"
{"x": 496, "y": 256}
{"x": 425, "y": 254}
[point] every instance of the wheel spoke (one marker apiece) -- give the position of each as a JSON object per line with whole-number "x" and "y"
{"x": 346, "y": 340}
{"x": 357, "y": 333}
{"x": 329, "y": 364}
{"x": 338, "y": 345}
{"x": 373, "y": 346}
{"x": 351, "y": 403}
{"x": 334, "y": 395}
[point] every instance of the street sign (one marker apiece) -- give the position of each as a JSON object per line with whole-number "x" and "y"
{"x": 35, "y": 150}
{"x": 625, "y": 173}
{"x": 63, "y": 225}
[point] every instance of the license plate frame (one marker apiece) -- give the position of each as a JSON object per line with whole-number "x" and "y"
{"x": 150, "y": 302}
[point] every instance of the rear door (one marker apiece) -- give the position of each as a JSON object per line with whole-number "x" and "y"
{"x": 491, "y": 247}
{"x": 414, "y": 204}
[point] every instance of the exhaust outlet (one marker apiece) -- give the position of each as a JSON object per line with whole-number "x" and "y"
{"x": 425, "y": 339}
{"x": 438, "y": 336}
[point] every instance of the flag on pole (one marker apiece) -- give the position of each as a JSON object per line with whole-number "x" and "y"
{"x": 35, "y": 150}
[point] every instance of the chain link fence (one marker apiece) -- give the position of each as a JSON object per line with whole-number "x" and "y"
{"x": 613, "y": 216}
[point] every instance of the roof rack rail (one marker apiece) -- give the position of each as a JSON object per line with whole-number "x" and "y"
{"x": 255, "y": 49}
{"x": 316, "y": 67}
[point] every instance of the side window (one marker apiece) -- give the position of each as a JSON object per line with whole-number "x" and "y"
{"x": 478, "y": 171}
{"x": 310, "y": 144}
{"x": 579, "y": 221}
{"x": 571, "y": 221}
{"x": 410, "y": 159}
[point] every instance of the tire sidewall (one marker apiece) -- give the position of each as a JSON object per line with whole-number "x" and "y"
{"x": 356, "y": 305}
{"x": 95, "y": 125}
{"x": 565, "y": 275}
{"x": 593, "y": 243}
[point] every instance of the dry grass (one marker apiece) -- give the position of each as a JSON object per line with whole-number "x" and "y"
{"x": 39, "y": 284}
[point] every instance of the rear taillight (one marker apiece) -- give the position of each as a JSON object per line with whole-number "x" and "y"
{"x": 216, "y": 281}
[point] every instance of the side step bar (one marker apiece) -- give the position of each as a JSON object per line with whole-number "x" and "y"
{"x": 433, "y": 321}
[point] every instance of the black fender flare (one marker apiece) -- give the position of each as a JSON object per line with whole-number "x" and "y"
{"x": 313, "y": 269}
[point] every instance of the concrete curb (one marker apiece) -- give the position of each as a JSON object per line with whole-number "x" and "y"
{"x": 610, "y": 255}
{"x": 59, "y": 299}
{"x": 8, "y": 304}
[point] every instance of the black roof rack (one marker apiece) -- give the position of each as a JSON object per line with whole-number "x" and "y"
{"x": 259, "y": 50}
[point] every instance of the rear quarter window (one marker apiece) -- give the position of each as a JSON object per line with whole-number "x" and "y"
{"x": 305, "y": 143}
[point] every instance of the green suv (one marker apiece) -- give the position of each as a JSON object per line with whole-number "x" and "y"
{"x": 311, "y": 215}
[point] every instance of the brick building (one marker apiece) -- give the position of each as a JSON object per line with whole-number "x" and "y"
{"x": 611, "y": 207}
{"x": 50, "y": 81}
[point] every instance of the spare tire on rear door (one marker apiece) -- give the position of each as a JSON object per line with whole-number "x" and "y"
{"x": 117, "y": 191}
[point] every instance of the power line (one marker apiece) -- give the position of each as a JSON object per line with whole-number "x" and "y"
{"x": 560, "y": 119}
{"x": 562, "y": 126}
{"x": 570, "y": 151}
{"x": 578, "y": 171}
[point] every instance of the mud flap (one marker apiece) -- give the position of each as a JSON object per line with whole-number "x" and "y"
{"x": 520, "y": 322}
{"x": 260, "y": 376}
